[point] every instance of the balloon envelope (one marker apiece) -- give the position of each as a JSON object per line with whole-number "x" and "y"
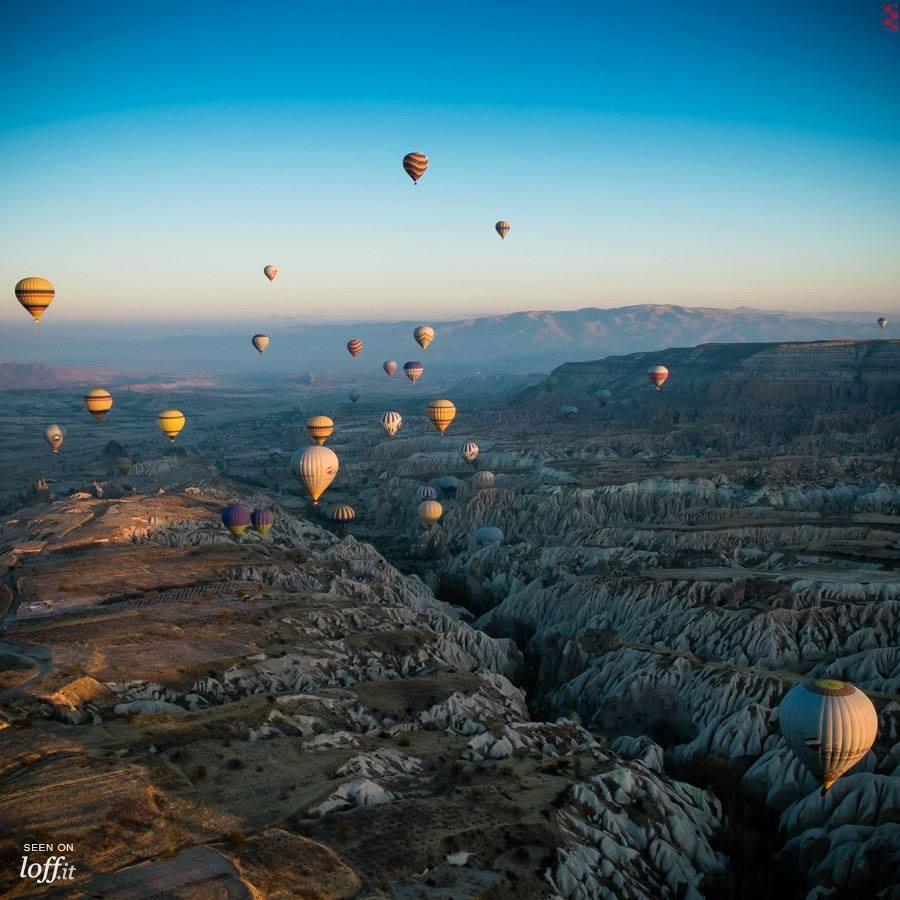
{"x": 441, "y": 413}
{"x": 389, "y": 366}
{"x": 502, "y": 228}
{"x": 882, "y": 322}
{"x": 319, "y": 428}
{"x": 354, "y": 347}
{"x": 426, "y": 492}
{"x": 657, "y": 376}
{"x": 353, "y": 395}
{"x": 170, "y": 422}
{"x": 415, "y": 164}
{"x": 98, "y": 403}
{"x": 270, "y": 272}
{"x": 236, "y": 518}
{"x": 316, "y": 467}
{"x": 430, "y": 511}
{"x": 260, "y": 341}
{"x": 483, "y": 480}
{"x": 423, "y": 336}
{"x": 413, "y": 370}
{"x": 469, "y": 451}
{"x": 54, "y": 436}
{"x": 262, "y": 519}
{"x": 35, "y": 294}
{"x": 488, "y": 534}
{"x": 391, "y": 422}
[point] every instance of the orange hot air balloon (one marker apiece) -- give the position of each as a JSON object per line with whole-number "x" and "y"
{"x": 441, "y": 413}
{"x": 423, "y": 336}
{"x": 354, "y": 347}
{"x": 35, "y": 294}
{"x": 320, "y": 428}
{"x": 415, "y": 165}
{"x": 98, "y": 403}
{"x": 389, "y": 367}
{"x": 502, "y": 228}
{"x": 657, "y": 376}
{"x": 430, "y": 511}
{"x": 271, "y": 272}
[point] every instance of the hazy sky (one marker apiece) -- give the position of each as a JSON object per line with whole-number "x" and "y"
{"x": 155, "y": 155}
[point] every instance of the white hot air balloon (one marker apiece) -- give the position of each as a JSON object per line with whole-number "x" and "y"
{"x": 469, "y": 451}
{"x": 391, "y": 422}
{"x": 315, "y": 466}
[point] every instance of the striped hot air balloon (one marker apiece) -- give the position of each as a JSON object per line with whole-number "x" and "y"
{"x": 415, "y": 165}
{"x": 440, "y": 413}
{"x": 170, "y": 422}
{"x": 483, "y": 480}
{"x": 423, "y": 336}
{"x": 262, "y": 519}
{"x": 502, "y": 228}
{"x": 54, "y": 436}
{"x": 35, "y": 294}
{"x": 316, "y": 467}
{"x": 426, "y": 492}
{"x": 391, "y": 422}
{"x": 469, "y": 451}
{"x": 430, "y": 511}
{"x": 413, "y": 370}
{"x": 98, "y": 403}
{"x": 657, "y": 376}
{"x": 260, "y": 341}
{"x": 342, "y": 516}
{"x": 271, "y": 272}
{"x": 354, "y": 347}
{"x": 389, "y": 367}
{"x": 236, "y": 518}
{"x": 319, "y": 428}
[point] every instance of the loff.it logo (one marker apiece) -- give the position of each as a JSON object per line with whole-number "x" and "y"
{"x": 891, "y": 17}
{"x": 46, "y": 863}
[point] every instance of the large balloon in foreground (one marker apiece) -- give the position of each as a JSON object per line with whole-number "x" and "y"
{"x": 354, "y": 347}
{"x": 260, "y": 341}
{"x": 415, "y": 165}
{"x": 391, "y": 422}
{"x": 270, "y": 272}
{"x": 262, "y": 519}
{"x": 657, "y": 376}
{"x": 488, "y": 534}
{"x": 342, "y": 516}
{"x": 35, "y": 294}
{"x": 502, "y": 228}
{"x": 389, "y": 366}
{"x": 316, "y": 467}
{"x": 830, "y": 725}
{"x": 170, "y": 422}
{"x": 353, "y": 395}
{"x": 423, "y": 336}
{"x": 54, "y": 436}
{"x": 882, "y": 322}
{"x": 469, "y": 451}
{"x": 413, "y": 370}
{"x": 236, "y": 518}
{"x": 319, "y": 428}
{"x": 441, "y": 413}
{"x": 430, "y": 511}
{"x": 483, "y": 480}
{"x": 426, "y": 492}
{"x": 98, "y": 403}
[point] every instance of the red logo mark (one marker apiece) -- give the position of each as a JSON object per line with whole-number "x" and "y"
{"x": 891, "y": 16}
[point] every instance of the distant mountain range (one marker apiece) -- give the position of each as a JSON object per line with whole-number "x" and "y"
{"x": 516, "y": 342}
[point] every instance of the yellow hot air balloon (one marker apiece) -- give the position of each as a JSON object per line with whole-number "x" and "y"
{"x": 260, "y": 341}
{"x": 35, "y": 294}
{"x": 316, "y": 467}
{"x": 502, "y": 228}
{"x": 415, "y": 165}
{"x": 319, "y": 428}
{"x": 170, "y": 422}
{"x": 54, "y": 435}
{"x": 270, "y": 272}
{"x": 430, "y": 511}
{"x": 98, "y": 403}
{"x": 830, "y": 725}
{"x": 424, "y": 335}
{"x": 441, "y": 413}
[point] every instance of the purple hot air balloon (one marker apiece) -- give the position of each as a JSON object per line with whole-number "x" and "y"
{"x": 262, "y": 519}
{"x": 413, "y": 370}
{"x": 236, "y": 518}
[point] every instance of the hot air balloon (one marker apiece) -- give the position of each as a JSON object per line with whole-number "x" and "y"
{"x": 353, "y": 395}
{"x": 236, "y": 518}
{"x": 449, "y": 485}
{"x": 170, "y": 422}
{"x": 260, "y": 341}
{"x": 35, "y": 294}
{"x": 415, "y": 165}
{"x": 270, "y": 272}
{"x": 440, "y": 413}
{"x": 423, "y": 336}
{"x": 354, "y": 347}
{"x": 604, "y": 396}
{"x": 569, "y": 412}
{"x": 483, "y": 480}
{"x": 430, "y": 511}
{"x": 123, "y": 464}
{"x": 657, "y": 376}
{"x": 469, "y": 451}
{"x": 389, "y": 367}
{"x": 319, "y": 428}
{"x": 882, "y": 322}
{"x": 830, "y": 726}
{"x": 391, "y": 422}
{"x": 502, "y": 228}
{"x": 54, "y": 436}
{"x": 98, "y": 403}
{"x": 488, "y": 534}
{"x": 413, "y": 370}
{"x": 316, "y": 467}
{"x": 426, "y": 492}
{"x": 262, "y": 519}
{"x": 342, "y": 516}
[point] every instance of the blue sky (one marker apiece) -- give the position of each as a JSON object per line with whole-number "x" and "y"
{"x": 154, "y": 156}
